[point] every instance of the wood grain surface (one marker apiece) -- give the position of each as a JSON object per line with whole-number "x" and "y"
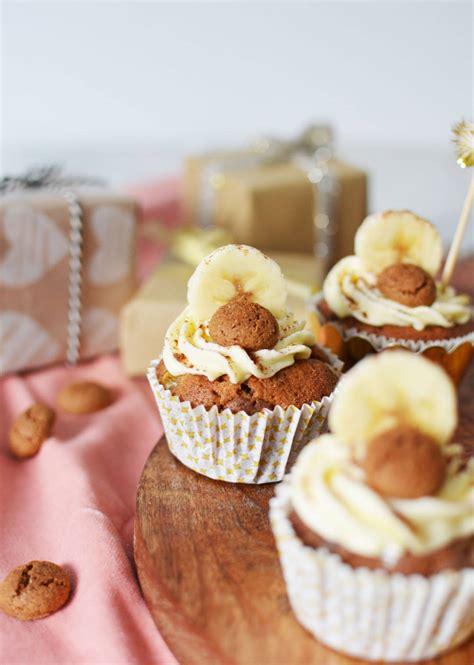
{"x": 209, "y": 570}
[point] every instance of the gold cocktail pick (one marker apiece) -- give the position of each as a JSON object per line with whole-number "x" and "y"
{"x": 464, "y": 141}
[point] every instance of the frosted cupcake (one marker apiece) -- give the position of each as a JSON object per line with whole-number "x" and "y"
{"x": 241, "y": 384}
{"x": 375, "y": 523}
{"x": 386, "y": 295}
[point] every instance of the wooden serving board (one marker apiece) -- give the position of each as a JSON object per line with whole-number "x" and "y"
{"x": 210, "y": 573}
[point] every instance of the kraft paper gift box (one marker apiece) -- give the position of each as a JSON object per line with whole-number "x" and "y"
{"x": 145, "y": 319}
{"x": 295, "y": 205}
{"x": 44, "y": 316}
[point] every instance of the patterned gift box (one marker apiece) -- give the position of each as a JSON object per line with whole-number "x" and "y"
{"x": 67, "y": 265}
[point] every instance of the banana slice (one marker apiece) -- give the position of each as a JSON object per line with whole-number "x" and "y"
{"x": 398, "y": 237}
{"x": 392, "y": 388}
{"x": 333, "y": 294}
{"x": 235, "y": 270}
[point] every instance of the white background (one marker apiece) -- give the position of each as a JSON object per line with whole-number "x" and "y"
{"x": 126, "y": 89}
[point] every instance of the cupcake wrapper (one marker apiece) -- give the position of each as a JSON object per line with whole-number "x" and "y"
{"x": 236, "y": 447}
{"x": 380, "y": 342}
{"x": 454, "y": 354}
{"x": 371, "y": 614}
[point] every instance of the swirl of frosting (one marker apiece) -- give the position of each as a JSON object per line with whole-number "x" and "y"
{"x": 349, "y": 290}
{"x": 330, "y": 494}
{"x": 189, "y": 349}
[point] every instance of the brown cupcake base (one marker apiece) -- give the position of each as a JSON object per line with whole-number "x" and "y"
{"x": 303, "y": 382}
{"x": 429, "y": 334}
{"x": 352, "y": 347}
{"x": 457, "y": 555}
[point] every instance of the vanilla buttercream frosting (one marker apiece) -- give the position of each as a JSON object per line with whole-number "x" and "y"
{"x": 189, "y": 349}
{"x": 330, "y": 494}
{"x": 351, "y": 290}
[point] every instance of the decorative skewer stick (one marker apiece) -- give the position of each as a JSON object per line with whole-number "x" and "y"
{"x": 464, "y": 139}
{"x": 458, "y": 236}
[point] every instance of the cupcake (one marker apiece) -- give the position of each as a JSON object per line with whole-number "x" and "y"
{"x": 240, "y": 384}
{"x": 386, "y": 296}
{"x": 375, "y": 523}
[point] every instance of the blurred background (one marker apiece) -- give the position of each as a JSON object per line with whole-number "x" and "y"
{"x": 126, "y": 90}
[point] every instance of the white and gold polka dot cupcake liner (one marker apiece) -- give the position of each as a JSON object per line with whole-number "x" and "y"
{"x": 236, "y": 447}
{"x": 370, "y": 614}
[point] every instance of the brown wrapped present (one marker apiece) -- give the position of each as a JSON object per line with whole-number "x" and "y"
{"x": 67, "y": 265}
{"x": 280, "y": 196}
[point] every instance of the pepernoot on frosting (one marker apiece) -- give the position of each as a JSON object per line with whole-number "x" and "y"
{"x": 236, "y": 323}
{"x": 387, "y": 481}
{"x": 391, "y": 278}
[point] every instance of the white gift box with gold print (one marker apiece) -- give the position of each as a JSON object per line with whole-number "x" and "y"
{"x": 236, "y": 447}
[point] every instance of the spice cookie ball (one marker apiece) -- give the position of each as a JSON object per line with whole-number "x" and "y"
{"x": 34, "y": 590}
{"x": 84, "y": 397}
{"x": 404, "y": 462}
{"x": 246, "y": 324}
{"x": 407, "y": 284}
{"x": 30, "y": 429}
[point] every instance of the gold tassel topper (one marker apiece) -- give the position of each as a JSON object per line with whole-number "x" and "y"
{"x": 464, "y": 140}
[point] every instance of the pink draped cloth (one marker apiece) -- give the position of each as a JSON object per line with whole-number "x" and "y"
{"x": 74, "y": 504}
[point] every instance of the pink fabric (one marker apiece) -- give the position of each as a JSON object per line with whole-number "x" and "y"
{"x": 159, "y": 200}
{"x": 150, "y": 255}
{"x": 74, "y": 504}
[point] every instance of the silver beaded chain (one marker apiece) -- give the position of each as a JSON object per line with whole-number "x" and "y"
{"x": 75, "y": 274}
